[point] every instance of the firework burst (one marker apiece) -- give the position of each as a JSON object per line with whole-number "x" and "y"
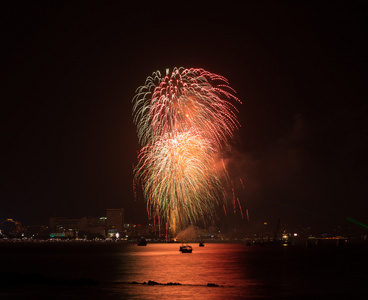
{"x": 184, "y": 120}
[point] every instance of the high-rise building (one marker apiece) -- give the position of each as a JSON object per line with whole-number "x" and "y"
{"x": 115, "y": 218}
{"x": 72, "y": 226}
{"x": 61, "y": 224}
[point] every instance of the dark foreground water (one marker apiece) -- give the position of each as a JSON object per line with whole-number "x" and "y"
{"x": 85, "y": 270}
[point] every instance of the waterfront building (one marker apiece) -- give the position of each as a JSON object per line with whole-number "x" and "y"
{"x": 115, "y": 219}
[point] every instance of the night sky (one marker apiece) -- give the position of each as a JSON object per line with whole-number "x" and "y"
{"x": 69, "y": 71}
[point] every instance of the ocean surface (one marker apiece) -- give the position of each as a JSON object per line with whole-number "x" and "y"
{"x": 117, "y": 270}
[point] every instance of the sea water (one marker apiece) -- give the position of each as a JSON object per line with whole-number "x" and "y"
{"x": 120, "y": 270}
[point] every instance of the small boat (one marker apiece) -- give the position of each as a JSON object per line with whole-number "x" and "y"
{"x": 142, "y": 242}
{"x": 186, "y": 249}
{"x": 201, "y": 244}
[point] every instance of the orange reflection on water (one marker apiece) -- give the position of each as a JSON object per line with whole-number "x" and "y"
{"x": 209, "y": 272}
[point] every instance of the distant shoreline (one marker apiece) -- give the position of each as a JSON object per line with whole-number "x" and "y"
{"x": 308, "y": 242}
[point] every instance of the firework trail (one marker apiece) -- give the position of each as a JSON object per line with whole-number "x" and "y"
{"x": 183, "y": 122}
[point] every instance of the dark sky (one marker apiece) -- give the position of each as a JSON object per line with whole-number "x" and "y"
{"x": 70, "y": 69}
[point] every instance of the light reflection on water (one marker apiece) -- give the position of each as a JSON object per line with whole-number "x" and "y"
{"x": 218, "y": 264}
{"x": 241, "y": 272}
